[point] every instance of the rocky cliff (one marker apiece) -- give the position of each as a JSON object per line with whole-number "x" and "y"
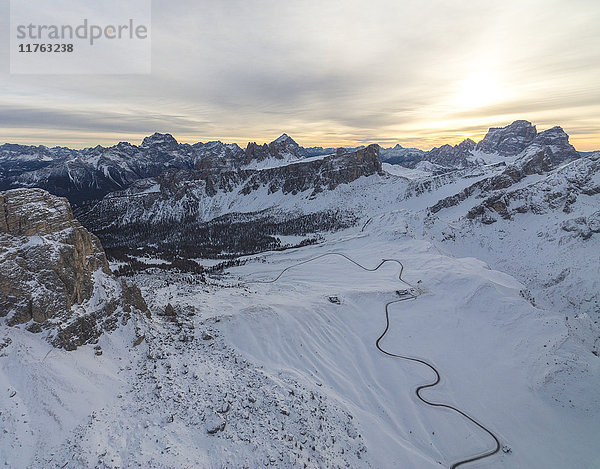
{"x": 510, "y": 140}
{"x": 522, "y": 137}
{"x": 54, "y": 275}
{"x": 177, "y": 194}
{"x": 577, "y": 183}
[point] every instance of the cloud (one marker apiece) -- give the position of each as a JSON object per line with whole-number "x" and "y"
{"x": 93, "y": 121}
{"x": 333, "y": 72}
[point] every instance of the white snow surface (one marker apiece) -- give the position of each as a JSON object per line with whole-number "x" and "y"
{"x": 285, "y": 160}
{"x": 277, "y": 375}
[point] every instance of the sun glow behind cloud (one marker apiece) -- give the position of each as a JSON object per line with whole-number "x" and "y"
{"x": 477, "y": 90}
{"x": 419, "y": 73}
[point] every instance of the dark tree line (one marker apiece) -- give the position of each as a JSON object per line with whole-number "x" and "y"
{"x": 223, "y": 238}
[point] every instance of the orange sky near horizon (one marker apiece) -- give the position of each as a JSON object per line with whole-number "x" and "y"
{"x": 584, "y": 142}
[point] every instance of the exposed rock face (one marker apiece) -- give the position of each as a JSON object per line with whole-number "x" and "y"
{"x": 452, "y": 156}
{"x": 555, "y": 142}
{"x": 282, "y": 148}
{"x": 519, "y": 139}
{"x": 217, "y": 155}
{"x": 285, "y": 144}
{"x": 559, "y": 190}
{"x": 88, "y": 175}
{"x": 160, "y": 141}
{"x": 399, "y": 155}
{"x": 54, "y": 273}
{"x": 180, "y": 191}
{"x": 510, "y": 140}
{"x": 205, "y": 211}
{"x": 538, "y": 164}
{"x": 583, "y": 226}
{"x": 325, "y": 173}
{"x": 522, "y": 135}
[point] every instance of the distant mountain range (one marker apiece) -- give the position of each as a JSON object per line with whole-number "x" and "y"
{"x": 90, "y": 174}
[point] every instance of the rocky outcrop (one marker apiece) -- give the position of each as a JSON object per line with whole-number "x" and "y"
{"x": 456, "y": 156}
{"x": 318, "y": 175}
{"x": 510, "y": 140}
{"x": 286, "y": 145}
{"x": 282, "y": 148}
{"x": 397, "y": 154}
{"x": 538, "y": 164}
{"x": 54, "y": 274}
{"x": 521, "y": 136}
{"x": 158, "y": 141}
{"x": 555, "y": 143}
{"x": 182, "y": 192}
{"x": 583, "y": 226}
{"x": 558, "y": 191}
{"x": 217, "y": 155}
{"x": 519, "y": 139}
{"x": 211, "y": 211}
{"x": 85, "y": 176}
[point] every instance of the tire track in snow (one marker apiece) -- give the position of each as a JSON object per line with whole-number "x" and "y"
{"x": 410, "y": 294}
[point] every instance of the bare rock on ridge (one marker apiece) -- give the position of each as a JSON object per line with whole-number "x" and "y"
{"x": 54, "y": 274}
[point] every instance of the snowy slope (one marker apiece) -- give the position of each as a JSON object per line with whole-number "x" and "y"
{"x": 545, "y": 231}
{"x": 254, "y": 374}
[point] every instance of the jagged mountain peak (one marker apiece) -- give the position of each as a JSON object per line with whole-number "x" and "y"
{"x": 122, "y": 145}
{"x": 158, "y": 139}
{"x": 282, "y": 148}
{"x": 520, "y": 124}
{"x": 555, "y": 142}
{"x": 285, "y": 138}
{"x": 89, "y": 174}
{"x": 285, "y": 144}
{"x": 554, "y": 133}
{"x": 510, "y": 140}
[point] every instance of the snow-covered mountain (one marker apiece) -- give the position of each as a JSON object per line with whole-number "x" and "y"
{"x": 92, "y": 173}
{"x": 275, "y": 364}
{"x": 211, "y": 199}
{"x": 502, "y": 144}
{"x": 271, "y": 192}
{"x": 401, "y": 156}
{"x": 89, "y": 174}
{"x": 540, "y": 224}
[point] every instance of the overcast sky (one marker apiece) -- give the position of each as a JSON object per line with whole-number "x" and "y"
{"x": 419, "y": 73}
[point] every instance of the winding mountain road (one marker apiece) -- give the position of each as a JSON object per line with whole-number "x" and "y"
{"x": 411, "y": 294}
